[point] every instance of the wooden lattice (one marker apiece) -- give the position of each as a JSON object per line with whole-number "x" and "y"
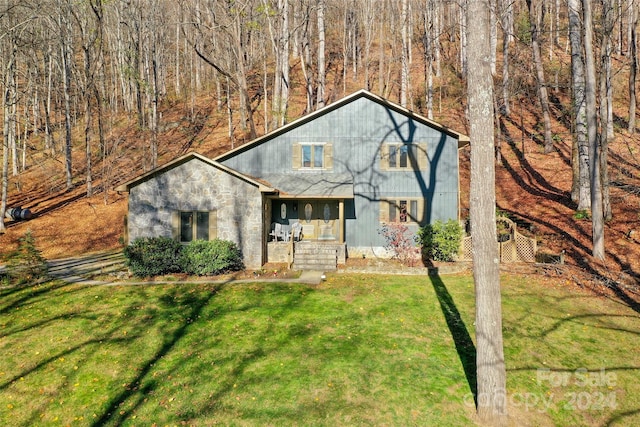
{"x": 516, "y": 248}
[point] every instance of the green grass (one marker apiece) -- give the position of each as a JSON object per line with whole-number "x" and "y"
{"x": 357, "y": 350}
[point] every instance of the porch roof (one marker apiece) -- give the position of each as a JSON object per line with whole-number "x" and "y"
{"x": 312, "y": 185}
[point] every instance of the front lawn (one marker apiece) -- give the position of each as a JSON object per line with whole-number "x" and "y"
{"x": 357, "y": 350}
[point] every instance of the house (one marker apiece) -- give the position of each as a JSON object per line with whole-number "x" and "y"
{"x": 335, "y": 176}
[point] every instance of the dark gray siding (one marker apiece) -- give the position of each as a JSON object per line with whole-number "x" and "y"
{"x": 357, "y": 131}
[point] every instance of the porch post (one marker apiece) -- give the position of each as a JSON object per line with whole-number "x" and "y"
{"x": 341, "y": 219}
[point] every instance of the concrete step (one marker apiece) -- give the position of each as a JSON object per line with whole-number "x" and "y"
{"x": 321, "y": 259}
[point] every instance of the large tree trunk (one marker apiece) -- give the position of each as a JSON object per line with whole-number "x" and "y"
{"x": 580, "y": 152}
{"x": 491, "y": 373}
{"x": 535, "y": 18}
{"x": 597, "y": 216}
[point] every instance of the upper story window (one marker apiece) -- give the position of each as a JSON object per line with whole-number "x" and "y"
{"x": 312, "y": 155}
{"x": 398, "y": 156}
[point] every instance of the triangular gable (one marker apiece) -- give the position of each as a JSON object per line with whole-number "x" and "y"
{"x": 362, "y": 93}
{"x": 125, "y": 187}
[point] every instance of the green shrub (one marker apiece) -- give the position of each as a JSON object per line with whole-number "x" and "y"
{"x": 202, "y": 257}
{"x": 441, "y": 241}
{"x": 582, "y": 214}
{"x": 153, "y": 256}
{"x": 26, "y": 264}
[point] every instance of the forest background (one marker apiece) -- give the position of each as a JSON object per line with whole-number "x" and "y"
{"x": 96, "y": 93}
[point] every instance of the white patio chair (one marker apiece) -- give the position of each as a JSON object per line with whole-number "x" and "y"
{"x": 276, "y": 231}
{"x": 296, "y": 231}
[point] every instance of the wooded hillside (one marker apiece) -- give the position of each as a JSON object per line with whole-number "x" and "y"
{"x": 95, "y": 93}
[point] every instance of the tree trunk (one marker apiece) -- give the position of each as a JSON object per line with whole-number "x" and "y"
{"x": 506, "y": 41}
{"x": 633, "y": 68}
{"x": 493, "y": 25}
{"x": 65, "y": 46}
{"x": 491, "y": 374}
{"x": 606, "y": 105}
{"x": 321, "y": 97}
{"x": 404, "y": 61}
{"x": 9, "y": 100}
{"x": 597, "y": 217}
{"x": 580, "y": 157}
{"x": 535, "y": 11}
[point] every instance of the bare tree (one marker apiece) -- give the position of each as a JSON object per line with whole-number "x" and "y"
{"x": 321, "y": 56}
{"x": 535, "y": 20}
{"x": 220, "y": 36}
{"x": 491, "y": 373}
{"x": 9, "y": 100}
{"x": 507, "y": 38}
{"x": 278, "y": 23}
{"x": 633, "y": 65}
{"x": 597, "y": 215}
{"x": 404, "y": 57}
{"x": 580, "y": 151}
{"x": 606, "y": 103}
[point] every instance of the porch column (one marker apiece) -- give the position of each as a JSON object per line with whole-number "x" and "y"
{"x": 341, "y": 220}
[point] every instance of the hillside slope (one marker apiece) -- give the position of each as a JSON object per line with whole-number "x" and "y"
{"x": 531, "y": 187}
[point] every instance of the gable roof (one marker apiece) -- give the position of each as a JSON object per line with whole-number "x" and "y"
{"x": 125, "y": 187}
{"x": 362, "y": 93}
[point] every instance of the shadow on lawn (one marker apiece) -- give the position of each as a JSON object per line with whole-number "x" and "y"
{"x": 463, "y": 342}
{"x": 192, "y": 304}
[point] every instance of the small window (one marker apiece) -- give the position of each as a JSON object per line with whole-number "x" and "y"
{"x": 413, "y": 210}
{"x": 404, "y": 210}
{"x": 393, "y": 157}
{"x": 318, "y": 156}
{"x": 189, "y": 226}
{"x": 403, "y": 156}
{"x": 306, "y": 156}
{"x": 312, "y": 156}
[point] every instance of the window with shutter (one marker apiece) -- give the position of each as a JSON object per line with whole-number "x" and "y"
{"x": 405, "y": 210}
{"x": 312, "y": 156}
{"x": 398, "y": 156}
{"x": 194, "y": 225}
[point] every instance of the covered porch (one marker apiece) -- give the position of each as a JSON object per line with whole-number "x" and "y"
{"x": 307, "y": 216}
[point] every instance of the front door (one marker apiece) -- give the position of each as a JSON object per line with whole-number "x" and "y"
{"x": 319, "y": 219}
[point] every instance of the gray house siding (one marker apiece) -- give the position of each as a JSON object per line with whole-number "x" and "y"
{"x": 357, "y": 131}
{"x": 199, "y": 186}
